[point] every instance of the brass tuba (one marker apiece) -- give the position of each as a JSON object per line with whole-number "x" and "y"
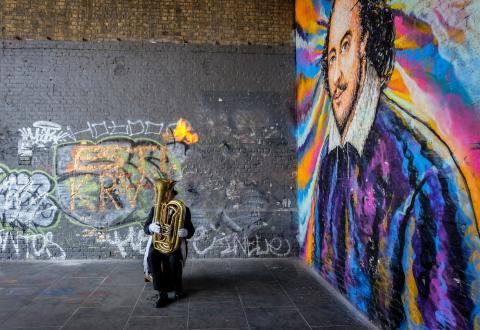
{"x": 170, "y": 216}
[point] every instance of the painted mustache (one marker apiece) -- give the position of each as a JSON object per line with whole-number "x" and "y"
{"x": 339, "y": 90}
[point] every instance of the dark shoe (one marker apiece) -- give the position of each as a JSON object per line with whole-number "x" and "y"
{"x": 162, "y": 301}
{"x": 179, "y": 295}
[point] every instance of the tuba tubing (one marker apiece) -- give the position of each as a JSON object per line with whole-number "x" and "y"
{"x": 170, "y": 216}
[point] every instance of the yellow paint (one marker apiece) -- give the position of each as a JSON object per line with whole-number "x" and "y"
{"x": 398, "y": 6}
{"x": 474, "y": 186}
{"x": 304, "y": 87}
{"x": 182, "y": 132}
{"x": 405, "y": 43}
{"x": 383, "y": 282}
{"x": 398, "y": 86}
{"x": 411, "y": 291}
{"x": 309, "y": 243}
{"x": 305, "y": 164}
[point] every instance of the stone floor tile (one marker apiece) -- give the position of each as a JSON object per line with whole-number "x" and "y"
{"x": 314, "y": 297}
{"x": 89, "y": 269}
{"x": 114, "y": 296}
{"x": 125, "y": 277}
{"x": 275, "y": 318}
{"x": 71, "y": 289}
{"x": 99, "y": 318}
{"x": 154, "y": 323}
{"x": 216, "y": 315}
{"x": 41, "y": 313}
{"x": 13, "y": 303}
{"x": 212, "y": 293}
{"x": 328, "y": 315}
{"x": 262, "y": 294}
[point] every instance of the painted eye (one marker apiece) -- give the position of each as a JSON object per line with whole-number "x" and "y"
{"x": 331, "y": 60}
{"x": 345, "y": 46}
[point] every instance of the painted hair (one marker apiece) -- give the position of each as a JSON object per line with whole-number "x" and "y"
{"x": 376, "y": 18}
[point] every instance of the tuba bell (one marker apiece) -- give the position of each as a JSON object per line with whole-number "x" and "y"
{"x": 169, "y": 215}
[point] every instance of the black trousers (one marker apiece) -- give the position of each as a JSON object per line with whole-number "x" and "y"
{"x": 166, "y": 270}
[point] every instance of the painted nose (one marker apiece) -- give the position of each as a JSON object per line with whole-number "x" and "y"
{"x": 336, "y": 73}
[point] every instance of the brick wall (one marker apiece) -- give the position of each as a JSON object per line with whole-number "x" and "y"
{"x": 265, "y": 22}
{"x": 87, "y": 126}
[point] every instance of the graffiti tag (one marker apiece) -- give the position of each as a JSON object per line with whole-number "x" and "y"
{"x": 109, "y": 128}
{"x": 24, "y": 199}
{"x": 133, "y": 240}
{"x": 35, "y": 246}
{"x": 236, "y": 244}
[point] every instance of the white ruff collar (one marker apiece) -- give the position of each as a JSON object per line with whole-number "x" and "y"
{"x": 363, "y": 114}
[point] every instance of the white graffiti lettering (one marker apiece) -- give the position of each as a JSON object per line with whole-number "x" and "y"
{"x": 43, "y": 134}
{"x": 240, "y": 244}
{"x": 25, "y": 200}
{"x": 34, "y": 246}
{"x": 130, "y": 128}
{"x": 136, "y": 240}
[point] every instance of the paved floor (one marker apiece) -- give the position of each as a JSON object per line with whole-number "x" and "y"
{"x": 222, "y": 294}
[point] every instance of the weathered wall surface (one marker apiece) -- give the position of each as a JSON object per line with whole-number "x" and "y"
{"x": 266, "y": 22}
{"x": 86, "y": 128}
{"x": 389, "y": 203}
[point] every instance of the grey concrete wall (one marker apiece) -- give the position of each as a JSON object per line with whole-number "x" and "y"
{"x": 86, "y": 127}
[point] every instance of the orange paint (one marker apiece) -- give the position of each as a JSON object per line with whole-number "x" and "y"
{"x": 306, "y": 16}
{"x": 182, "y": 132}
{"x": 305, "y": 87}
{"x": 398, "y": 86}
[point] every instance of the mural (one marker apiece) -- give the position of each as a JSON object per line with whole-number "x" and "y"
{"x": 387, "y": 137}
{"x": 96, "y": 188}
{"x": 104, "y": 187}
{"x": 111, "y": 182}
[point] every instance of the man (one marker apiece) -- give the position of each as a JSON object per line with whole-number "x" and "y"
{"x": 166, "y": 270}
{"x": 395, "y": 230}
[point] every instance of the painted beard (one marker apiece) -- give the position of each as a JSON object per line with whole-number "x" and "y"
{"x": 354, "y": 99}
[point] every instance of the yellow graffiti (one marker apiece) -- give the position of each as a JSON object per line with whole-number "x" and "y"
{"x": 113, "y": 166}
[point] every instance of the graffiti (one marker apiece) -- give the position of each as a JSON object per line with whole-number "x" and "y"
{"x": 45, "y": 134}
{"x": 387, "y": 212}
{"x": 237, "y": 244}
{"x": 34, "y": 246}
{"x": 42, "y": 135}
{"x": 111, "y": 182}
{"x": 25, "y": 200}
{"x": 108, "y": 128}
{"x": 131, "y": 240}
{"x": 134, "y": 241}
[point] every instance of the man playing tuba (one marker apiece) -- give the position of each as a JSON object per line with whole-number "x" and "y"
{"x": 170, "y": 224}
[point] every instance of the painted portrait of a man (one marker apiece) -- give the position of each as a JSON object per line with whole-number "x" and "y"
{"x": 393, "y": 227}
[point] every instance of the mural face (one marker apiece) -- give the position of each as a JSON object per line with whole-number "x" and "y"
{"x": 387, "y": 209}
{"x": 345, "y": 57}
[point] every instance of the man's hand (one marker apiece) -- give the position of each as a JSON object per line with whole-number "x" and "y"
{"x": 154, "y": 228}
{"x": 182, "y": 233}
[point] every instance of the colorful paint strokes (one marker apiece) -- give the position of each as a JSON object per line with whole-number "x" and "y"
{"x": 388, "y": 159}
